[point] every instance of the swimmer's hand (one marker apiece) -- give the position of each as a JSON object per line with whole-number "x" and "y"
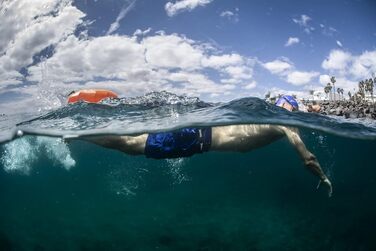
{"x": 327, "y": 183}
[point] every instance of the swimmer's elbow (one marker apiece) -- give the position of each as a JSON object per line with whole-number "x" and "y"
{"x": 310, "y": 160}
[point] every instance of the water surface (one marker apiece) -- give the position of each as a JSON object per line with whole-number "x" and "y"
{"x": 79, "y": 196}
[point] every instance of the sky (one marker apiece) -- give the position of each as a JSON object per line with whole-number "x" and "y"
{"x": 217, "y": 50}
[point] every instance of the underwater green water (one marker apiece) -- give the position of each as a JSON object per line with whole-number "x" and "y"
{"x": 261, "y": 200}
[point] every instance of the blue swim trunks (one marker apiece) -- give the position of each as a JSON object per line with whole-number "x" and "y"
{"x": 181, "y": 143}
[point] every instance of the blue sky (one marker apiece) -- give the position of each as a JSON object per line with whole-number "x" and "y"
{"x": 215, "y": 49}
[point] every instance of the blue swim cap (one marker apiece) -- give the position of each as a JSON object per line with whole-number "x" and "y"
{"x": 289, "y": 99}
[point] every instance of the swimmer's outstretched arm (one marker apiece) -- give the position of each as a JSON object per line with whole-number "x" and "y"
{"x": 309, "y": 158}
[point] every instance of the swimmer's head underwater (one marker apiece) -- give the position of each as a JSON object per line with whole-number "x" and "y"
{"x": 186, "y": 142}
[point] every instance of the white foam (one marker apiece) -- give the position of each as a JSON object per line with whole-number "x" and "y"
{"x": 21, "y": 154}
{"x": 57, "y": 151}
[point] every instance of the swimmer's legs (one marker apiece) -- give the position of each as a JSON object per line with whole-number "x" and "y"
{"x": 133, "y": 145}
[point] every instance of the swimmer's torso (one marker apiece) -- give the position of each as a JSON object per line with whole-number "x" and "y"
{"x": 243, "y": 137}
{"x": 240, "y": 138}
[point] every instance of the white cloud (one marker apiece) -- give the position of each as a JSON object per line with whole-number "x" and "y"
{"x": 364, "y": 65}
{"x": 222, "y": 60}
{"x": 239, "y": 72}
{"x": 339, "y": 43}
{"x": 139, "y": 32}
{"x": 232, "y": 16}
{"x": 172, "y": 51}
{"x": 156, "y": 62}
{"x": 291, "y": 41}
{"x": 38, "y": 33}
{"x": 129, "y": 65}
{"x": 124, "y": 11}
{"x": 231, "y": 81}
{"x": 286, "y": 71}
{"x": 303, "y": 22}
{"x": 227, "y": 14}
{"x": 346, "y": 84}
{"x": 337, "y": 60}
{"x": 324, "y": 79}
{"x": 301, "y": 77}
{"x": 250, "y": 86}
{"x": 18, "y": 15}
{"x": 83, "y": 60}
{"x": 348, "y": 69}
{"x": 278, "y": 66}
{"x": 173, "y": 9}
{"x": 342, "y": 63}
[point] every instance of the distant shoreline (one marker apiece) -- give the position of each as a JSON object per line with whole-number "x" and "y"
{"x": 344, "y": 108}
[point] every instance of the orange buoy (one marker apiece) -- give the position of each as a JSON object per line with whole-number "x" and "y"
{"x": 90, "y": 95}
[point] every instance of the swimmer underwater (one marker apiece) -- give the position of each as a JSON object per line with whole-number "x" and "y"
{"x": 237, "y": 138}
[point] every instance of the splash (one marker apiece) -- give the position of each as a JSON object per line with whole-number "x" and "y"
{"x": 21, "y": 154}
{"x": 49, "y": 96}
{"x": 156, "y": 99}
{"x": 57, "y": 151}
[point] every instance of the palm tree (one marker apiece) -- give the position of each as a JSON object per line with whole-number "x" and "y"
{"x": 333, "y": 80}
{"x": 366, "y": 87}
{"x": 361, "y": 91}
{"x": 369, "y": 87}
{"x": 267, "y": 95}
{"x": 318, "y": 95}
{"x": 342, "y": 91}
{"x": 373, "y": 82}
{"x": 327, "y": 89}
{"x": 311, "y": 92}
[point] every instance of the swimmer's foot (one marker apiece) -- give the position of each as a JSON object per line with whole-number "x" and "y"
{"x": 69, "y": 138}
